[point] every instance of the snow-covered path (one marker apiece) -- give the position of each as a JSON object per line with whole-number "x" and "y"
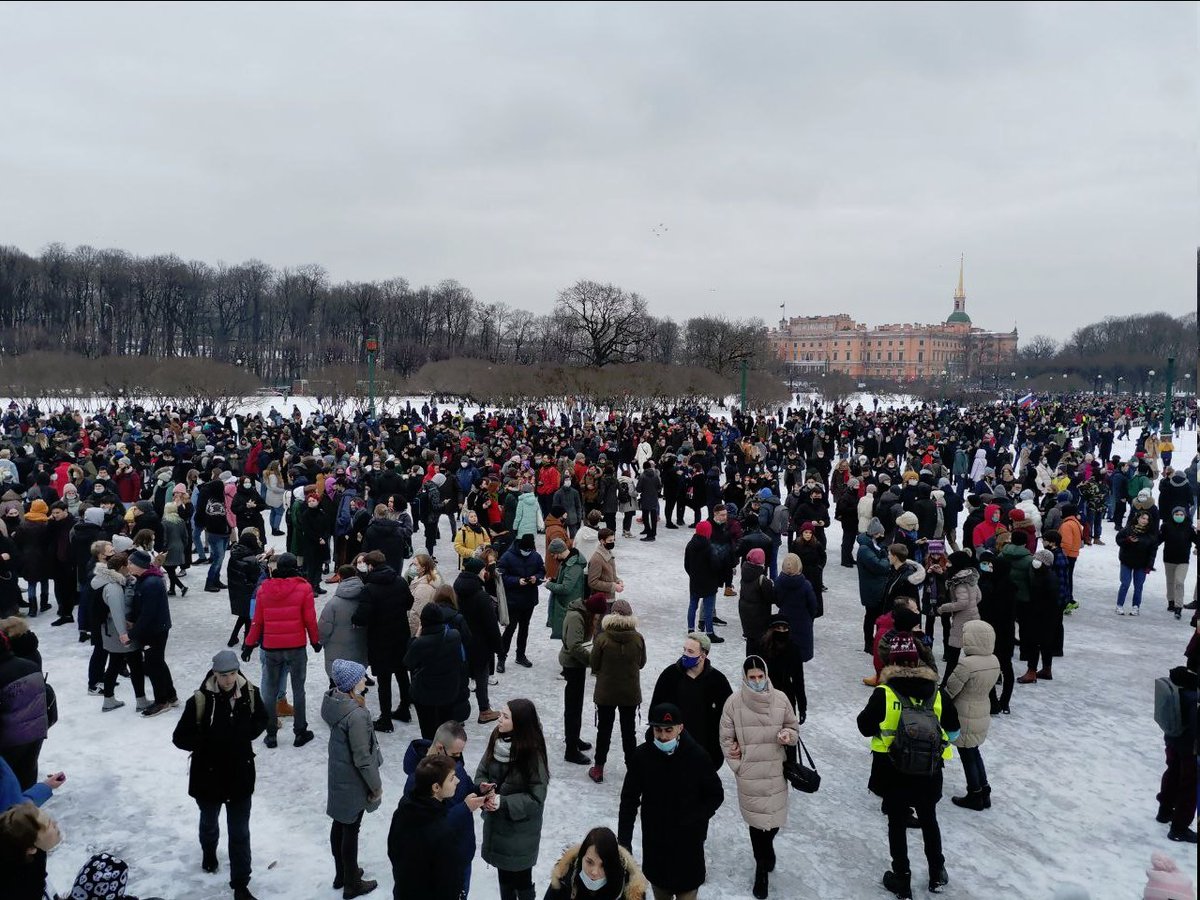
{"x": 1074, "y": 770}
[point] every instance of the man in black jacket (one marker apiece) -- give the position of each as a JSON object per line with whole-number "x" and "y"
{"x": 670, "y": 778}
{"x": 485, "y": 641}
{"x": 150, "y": 613}
{"x": 218, "y": 727}
{"x": 383, "y": 611}
{"x": 700, "y": 691}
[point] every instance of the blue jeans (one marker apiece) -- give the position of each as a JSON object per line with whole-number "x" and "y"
{"x": 296, "y": 664}
{"x": 283, "y": 675}
{"x": 198, "y": 540}
{"x": 237, "y": 823}
{"x": 772, "y": 561}
{"x": 1138, "y": 577}
{"x": 972, "y": 763}
{"x": 276, "y": 517}
{"x": 31, "y": 591}
{"x": 217, "y": 545}
{"x": 706, "y": 614}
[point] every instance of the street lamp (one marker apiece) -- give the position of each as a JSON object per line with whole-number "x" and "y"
{"x": 1150, "y": 389}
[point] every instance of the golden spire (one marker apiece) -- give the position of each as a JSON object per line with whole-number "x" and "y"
{"x": 959, "y": 293}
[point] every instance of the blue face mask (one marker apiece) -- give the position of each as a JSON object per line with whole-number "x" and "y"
{"x": 757, "y": 686}
{"x": 667, "y": 746}
{"x": 689, "y": 662}
{"x": 590, "y": 883}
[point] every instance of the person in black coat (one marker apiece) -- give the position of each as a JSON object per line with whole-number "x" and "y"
{"x": 671, "y": 779}
{"x": 219, "y": 725}
{"x": 423, "y": 842}
{"x": 1042, "y": 624}
{"x": 390, "y": 536}
{"x": 997, "y": 607}
{"x": 704, "y": 577}
{"x": 383, "y": 610}
{"x": 523, "y": 571}
{"x": 485, "y": 642}
{"x": 150, "y": 612}
{"x": 435, "y": 659}
{"x": 246, "y": 566}
{"x": 700, "y": 692}
{"x": 316, "y": 529}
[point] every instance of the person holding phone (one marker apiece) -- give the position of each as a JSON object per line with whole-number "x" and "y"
{"x": 522, "y": 569}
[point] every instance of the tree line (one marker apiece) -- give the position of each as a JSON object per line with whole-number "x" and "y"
{"x": 286, "y": 323}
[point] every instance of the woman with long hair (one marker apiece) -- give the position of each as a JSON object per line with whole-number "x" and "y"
{"x": 276, "y": 488}
{"x": 597, "y": 869}
{"x": 514, "y": 774}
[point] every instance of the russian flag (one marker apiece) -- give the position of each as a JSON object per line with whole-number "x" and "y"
{"x": 1027, "y": 401}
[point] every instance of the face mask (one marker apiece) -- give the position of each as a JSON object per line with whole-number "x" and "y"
{"x": 1179, "y": 519}
{"x": 526, "y": 552}
{"x": 667, "y": 746}
{"x": 985, "y": 567}
{"x": 757, "y": 686}
{"x": 689, "y": 662}
{"x": 592, "y": 884}
{"x": 361, "y": 566}
{"x": 995, "y": 517}
{"x": 609, "y": 546}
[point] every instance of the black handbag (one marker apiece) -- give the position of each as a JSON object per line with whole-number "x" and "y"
{"x": 800, "y": 776}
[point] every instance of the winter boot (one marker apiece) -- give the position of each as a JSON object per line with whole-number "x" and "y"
{"x": 760, "y": 881}
{"x": 527, "y": 893}
{"x": 209, "y": 861}
{"x": 730, "y": 592}
{"x": 973, "y": 800}
{"x": 111, "y": 703}
{"x": 938, "y": 880}
{"x": 384, "y": 724}
{"x": 899, "y": 884}
{"x": 402, "y": 713}
{"x": 1164, "y": 814}
{"x": 359, "y": 889}
{"x": 270, "y": 740}
{"x": 283, "y": 708}
{"x": 596, "y": 773}
{"x": 1030, "y": 677}
{"x": 500, "y": 665}
{"x": 873, "y": 681}
{"x": 524, "y": 661}
{"x": 987, "y": 796}
{"x": 1046, "y": 674}
{"x": 303, "y": 738}
{"x": 577, "y": 757}
{"x": 339, "y": 880}
{"x": 1182, "y": 835}
{"x": 143, "y": 703}
{"x": 488, "y": 715}
{"x": 243, "y": 893}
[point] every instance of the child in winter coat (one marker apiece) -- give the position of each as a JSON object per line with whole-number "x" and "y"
{"x": 969, "y": 686}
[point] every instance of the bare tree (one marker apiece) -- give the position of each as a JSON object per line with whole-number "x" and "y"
{"x": 606, "y": 324}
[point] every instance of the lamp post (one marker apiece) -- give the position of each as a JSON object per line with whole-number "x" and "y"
{"x": 372, "y": 347}
{"x": 1150, "y": 387}
{"x": 1168, "y": 415}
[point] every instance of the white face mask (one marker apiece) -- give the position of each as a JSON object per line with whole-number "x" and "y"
{"x": 361, "y": 566}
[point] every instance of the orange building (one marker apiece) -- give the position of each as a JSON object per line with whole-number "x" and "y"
{"x": 905, "y": 352}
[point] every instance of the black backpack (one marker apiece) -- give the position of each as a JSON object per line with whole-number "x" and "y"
{"x": 623, "y": 494}
{"x": 918, "y": 743}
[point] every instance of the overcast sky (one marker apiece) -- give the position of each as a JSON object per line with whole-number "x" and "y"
{"x": 835, "y": 158}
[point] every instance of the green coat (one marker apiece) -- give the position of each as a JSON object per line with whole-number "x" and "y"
{"x": 618, "y": 657}
{"x": 569, "y": 584}
{"x": 574, "y": 653}
{"x": 1021, "y": 571}
{"x": 513, "y": 833}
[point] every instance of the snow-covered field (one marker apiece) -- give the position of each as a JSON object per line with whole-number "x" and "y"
{"x": 1074, "y": 770}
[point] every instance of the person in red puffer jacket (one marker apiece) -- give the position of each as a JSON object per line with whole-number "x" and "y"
{"x": 285, "y": 619}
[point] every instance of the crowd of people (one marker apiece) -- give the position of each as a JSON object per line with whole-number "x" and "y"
{"x": 965, "y": 521}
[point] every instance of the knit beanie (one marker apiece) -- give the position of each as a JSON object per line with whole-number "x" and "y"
{"x": 875, "y": 529}
{"x": 704, "y": 529}
{"x": 756, "y": 557}
{"x": 102, "y": 877}
{"x": 622, "y": 608}
{"x": 347, "y": 673}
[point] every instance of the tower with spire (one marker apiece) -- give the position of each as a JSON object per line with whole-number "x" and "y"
{"x": 959, "y": 316}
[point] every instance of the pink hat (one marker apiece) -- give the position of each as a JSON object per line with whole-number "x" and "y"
{"x": 756, "y": 557}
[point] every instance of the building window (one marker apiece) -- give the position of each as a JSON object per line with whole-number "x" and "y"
{"x": 878, "y": 355}
{"x": 901, "y": 356}
{"x": 921, "y": 355}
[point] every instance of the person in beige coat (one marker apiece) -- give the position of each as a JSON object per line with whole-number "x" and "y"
{"x": 866, "y": 509}
{"x": 962, "y": 604}
{"x": 757, "y": 723}
{"x": 969, "y": 687}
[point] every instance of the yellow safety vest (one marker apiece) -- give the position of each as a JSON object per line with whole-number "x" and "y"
{"x": 891, "y": 721}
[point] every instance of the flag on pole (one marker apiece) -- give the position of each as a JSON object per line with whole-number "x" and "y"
{"x": 1027, "y": 401}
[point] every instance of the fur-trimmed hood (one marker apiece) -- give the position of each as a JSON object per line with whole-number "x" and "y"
{"x": 564, "y": 869}
{"x": 618, "y": 622}
{"x": 922, "y": 672}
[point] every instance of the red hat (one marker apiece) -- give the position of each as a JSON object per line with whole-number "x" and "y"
{"x": 704, "y": 529}
{"x": 807, "y": 526}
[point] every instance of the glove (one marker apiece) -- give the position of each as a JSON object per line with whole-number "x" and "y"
{"x": 246, "y": 651}
{"x": 316, "y": 647}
